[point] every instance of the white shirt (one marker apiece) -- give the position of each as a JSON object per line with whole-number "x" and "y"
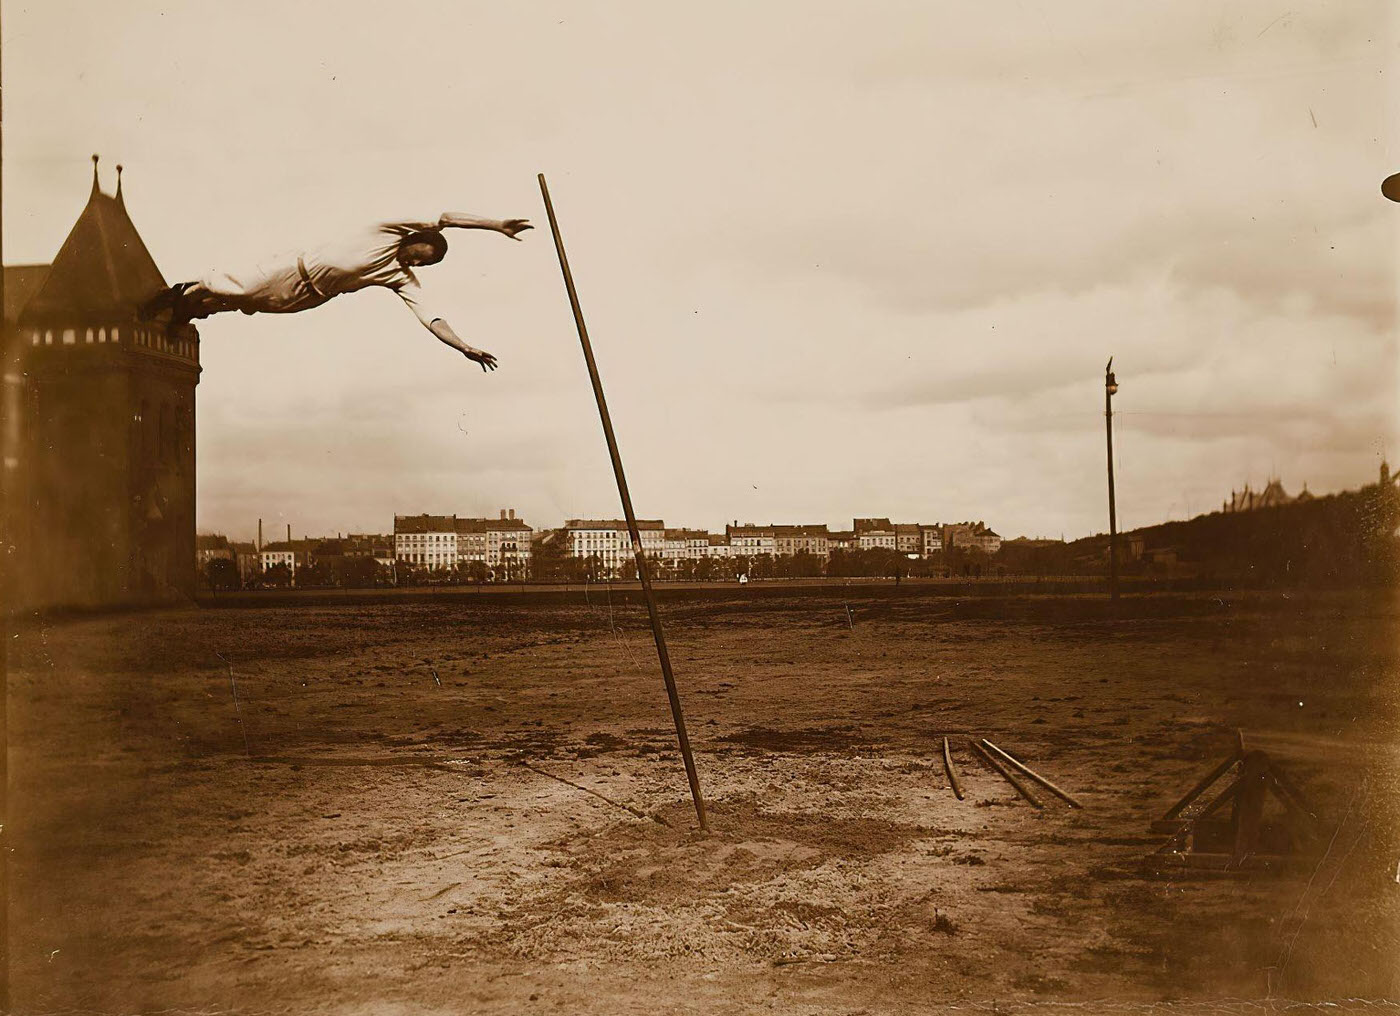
{"x": 366, "y": 258}
{"x": 370, "y": 258}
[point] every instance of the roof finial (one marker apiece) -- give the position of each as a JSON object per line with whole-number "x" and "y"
{"x": 119, "y": 186}
{"x": 94, "y": 174}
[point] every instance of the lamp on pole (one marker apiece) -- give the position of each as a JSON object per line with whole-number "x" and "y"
{"x": 1110, "y": 387}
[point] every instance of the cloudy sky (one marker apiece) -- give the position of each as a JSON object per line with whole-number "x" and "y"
{"x": 837, "y": 259}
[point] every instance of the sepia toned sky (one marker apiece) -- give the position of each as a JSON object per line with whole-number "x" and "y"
{"x": 836, "y": 259}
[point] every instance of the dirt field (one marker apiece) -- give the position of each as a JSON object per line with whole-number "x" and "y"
{"x": 386, "y": 809}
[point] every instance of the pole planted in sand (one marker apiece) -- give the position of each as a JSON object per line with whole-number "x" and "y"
{"x": 656, "y": 630}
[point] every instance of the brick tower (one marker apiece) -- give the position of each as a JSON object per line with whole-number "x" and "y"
{"x": 101, "y": 453}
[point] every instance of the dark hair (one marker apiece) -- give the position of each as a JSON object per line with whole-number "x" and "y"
{"x": 431, "y": 237}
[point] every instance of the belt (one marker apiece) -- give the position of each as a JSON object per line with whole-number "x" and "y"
{"x": 306, "y": 278}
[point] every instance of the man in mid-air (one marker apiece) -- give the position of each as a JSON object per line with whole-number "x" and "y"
{"x": 384, "y": 255}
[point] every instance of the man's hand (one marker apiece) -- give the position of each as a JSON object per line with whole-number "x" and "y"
{"x": 445, "y": 334}
{"x": 513, "y": 227}
{"x": 487, "y": 361}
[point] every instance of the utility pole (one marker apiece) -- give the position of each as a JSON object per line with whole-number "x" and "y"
{"x": 1110, "y": 387}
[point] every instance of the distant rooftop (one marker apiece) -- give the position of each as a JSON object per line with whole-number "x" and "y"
{"x": 425, "y": 524}
{"x": 872, "y": 525}
{"x": 618, "y": 524}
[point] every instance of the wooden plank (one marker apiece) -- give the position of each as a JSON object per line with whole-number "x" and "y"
{"x": 1006, "y": 774}
{"x": 1213, "y": 865}
{"x": 952, "y": 773}
{"x": 1027, "y": 770}
{"x": 1201, "y": 786}
{"x": 1222, "y": 798}
{"x": 1254, "y": 862}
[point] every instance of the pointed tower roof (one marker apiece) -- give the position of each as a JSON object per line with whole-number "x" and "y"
{"x": 102, "y": 270}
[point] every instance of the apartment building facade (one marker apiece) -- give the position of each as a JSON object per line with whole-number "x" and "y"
{"x": 874, "y": 534}
{"x": 429, "y": 541}
{"x": 789, "y": 541}
{"x": 750, "y": 540}
{"x": 608, "y": 540}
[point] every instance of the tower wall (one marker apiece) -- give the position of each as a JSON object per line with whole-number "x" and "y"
{"x": 107, "y": 467}
{"x": 101, "y": 463}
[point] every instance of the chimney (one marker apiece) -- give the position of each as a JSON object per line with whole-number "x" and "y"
{"x": 259, "y": 536}
{"x": 512, "y": 513}
{"x": 503, "y": 514}
{"x": 289, "y": 532}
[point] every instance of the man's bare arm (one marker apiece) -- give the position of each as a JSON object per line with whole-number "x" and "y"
{"x": 465, "y": 220}
{"x": 445, "y": 334}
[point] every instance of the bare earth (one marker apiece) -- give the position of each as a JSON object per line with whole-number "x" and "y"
{"x": 365, "y": 809}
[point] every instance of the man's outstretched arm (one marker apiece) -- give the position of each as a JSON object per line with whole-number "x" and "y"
{"x": 411, "y": 294}
{"x": 465, "y": 220}
{"x": 445, "y": 334}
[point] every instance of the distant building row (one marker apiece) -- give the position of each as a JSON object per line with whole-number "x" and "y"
{"x": 253, "y": 561}
{"x": 502, "y": 548}
{"x": 608, "y": 540}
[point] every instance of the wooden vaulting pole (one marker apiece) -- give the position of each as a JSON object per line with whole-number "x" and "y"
{"x": 656, "y": 630}
{"x": 953, "y": 780}
{"x": 1026, "y": 770}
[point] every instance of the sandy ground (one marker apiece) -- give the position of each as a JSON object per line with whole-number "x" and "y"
{"x": 386, "y": 809}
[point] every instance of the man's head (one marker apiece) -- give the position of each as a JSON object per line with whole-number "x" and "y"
{"x": 427, "y": 247}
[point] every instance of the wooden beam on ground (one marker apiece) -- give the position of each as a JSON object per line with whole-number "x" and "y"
{"x": 952, "y": 773}
{"x": 1028, "y": 771}
{"x": 1006, "y": 774}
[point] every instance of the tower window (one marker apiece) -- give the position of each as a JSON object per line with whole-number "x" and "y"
{"x": 70, "y": 336}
